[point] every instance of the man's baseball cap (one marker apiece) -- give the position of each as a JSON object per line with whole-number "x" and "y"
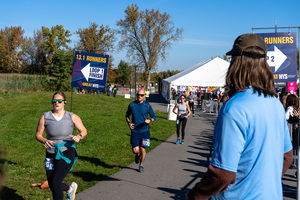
{"x": 247, "y": 40}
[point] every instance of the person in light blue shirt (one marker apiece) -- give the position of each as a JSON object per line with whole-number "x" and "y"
{"x": 252, "y": 146}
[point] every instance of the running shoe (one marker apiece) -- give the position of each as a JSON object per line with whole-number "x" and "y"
{"x": 71, "y": 193}
{"x": 177, "y": 142}
{"x": 137, "y": 158}
{"x": 141, "y": 169}
{"x": 182, "y": 142}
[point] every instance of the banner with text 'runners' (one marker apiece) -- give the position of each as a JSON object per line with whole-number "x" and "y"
{"x": 282, "y": 55}
{"x": 90, "y": 70}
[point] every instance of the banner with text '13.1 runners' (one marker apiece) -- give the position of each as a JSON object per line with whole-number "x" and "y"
{"x": 90, "y": 70}
{"x": 282, "y": 55}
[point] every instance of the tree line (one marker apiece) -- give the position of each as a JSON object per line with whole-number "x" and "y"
{"x": 37, "y": 54}
{"x": 145, "y": 35}
{"x": 48, "y": 51}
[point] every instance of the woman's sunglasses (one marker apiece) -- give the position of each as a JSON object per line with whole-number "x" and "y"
{"x": 57, "y": 100}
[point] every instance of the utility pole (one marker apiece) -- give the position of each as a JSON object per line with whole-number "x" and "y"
{"x": 130, "y": 83}
{"x": 135, "y": 81}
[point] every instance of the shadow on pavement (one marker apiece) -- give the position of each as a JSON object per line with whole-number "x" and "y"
{"x": 89, "y": 176}
{"x": 97, "y": 162}
{"x": 289, "y": 191}
{"x": 157, "y": 98}
{"x": 178, "y": 194}
{"x": 116, "y": 179}
{"x": 203, "y": 149}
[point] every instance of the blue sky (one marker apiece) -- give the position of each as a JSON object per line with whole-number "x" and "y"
{"x": 210, "y": 27}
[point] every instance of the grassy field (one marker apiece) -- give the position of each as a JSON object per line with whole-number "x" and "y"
{"x": 104, "y": 151}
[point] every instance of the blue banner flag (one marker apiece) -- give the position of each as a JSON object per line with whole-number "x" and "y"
{"x": 282, "y": 55}
{"x": 90, "y": 70}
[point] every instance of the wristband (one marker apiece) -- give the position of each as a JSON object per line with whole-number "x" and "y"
{"x": 80, "y": 135}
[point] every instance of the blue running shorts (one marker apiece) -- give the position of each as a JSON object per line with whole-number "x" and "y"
{"x": 136, "y": 138}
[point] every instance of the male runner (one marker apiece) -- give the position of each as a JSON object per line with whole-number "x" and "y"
{"x": 139, "y": 126}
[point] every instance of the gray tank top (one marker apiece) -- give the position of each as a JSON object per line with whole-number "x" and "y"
{"x": 181, "y": 108}
{"x": 58, "y": 131}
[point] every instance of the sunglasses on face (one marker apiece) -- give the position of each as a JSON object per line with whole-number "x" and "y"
{"x": 140, "y": 95}
{"x": 182, "y": 98}
{"x": 57, "y": 100}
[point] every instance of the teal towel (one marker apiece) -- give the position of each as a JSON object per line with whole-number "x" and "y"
{"x": 60, "y": 155}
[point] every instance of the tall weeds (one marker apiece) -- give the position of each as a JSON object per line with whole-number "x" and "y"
{"x": 23, "y": 83}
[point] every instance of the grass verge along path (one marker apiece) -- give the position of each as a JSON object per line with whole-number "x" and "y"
{"x": 104, "y": 151}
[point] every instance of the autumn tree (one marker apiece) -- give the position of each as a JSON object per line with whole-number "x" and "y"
{"x": 168, "y": 73}
{"x": 56, "y": 38}
{"x": 34, "y": 56}
{"x": 11, "y": 39}
{"x": 147, "y": 35}
{"x": 156, "y": 77}
{"x": 225, "y": 58}
{"x": 96, "y": 39}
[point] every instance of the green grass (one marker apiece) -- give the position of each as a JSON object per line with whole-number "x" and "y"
{"x": 104, "y": 151}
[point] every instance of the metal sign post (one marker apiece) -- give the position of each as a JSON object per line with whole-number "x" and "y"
{"x": 135, "y": 89}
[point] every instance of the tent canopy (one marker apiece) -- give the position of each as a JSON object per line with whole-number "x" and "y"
{"x": 211, "y": 73}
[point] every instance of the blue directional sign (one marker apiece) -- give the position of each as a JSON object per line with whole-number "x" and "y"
{"x": 282, "y": 55}
{"x": 90, "y": 70}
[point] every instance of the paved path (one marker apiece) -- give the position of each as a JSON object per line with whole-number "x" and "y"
{"x": 170, "y": 169}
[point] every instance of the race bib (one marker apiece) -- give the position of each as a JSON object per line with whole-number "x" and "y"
{"x": 145, "y": 143}
{"x": 49, "y": 164}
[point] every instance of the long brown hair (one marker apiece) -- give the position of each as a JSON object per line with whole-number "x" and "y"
{"x": 251, "y": 70}
{"x": 292, "y": 100}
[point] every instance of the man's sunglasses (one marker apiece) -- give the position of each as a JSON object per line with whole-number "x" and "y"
{"x": 140, "y": 95}
{"x": 57, "y": 100}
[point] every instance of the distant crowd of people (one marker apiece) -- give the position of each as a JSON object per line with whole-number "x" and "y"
{"x": 290, "y": 103}
{"x": 111, "y": 90}
{"x": 199, "y": 97}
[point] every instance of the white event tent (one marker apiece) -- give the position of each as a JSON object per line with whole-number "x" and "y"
{"x": 211, "y": 73}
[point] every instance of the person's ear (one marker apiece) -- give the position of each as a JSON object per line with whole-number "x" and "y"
{"x": 65, "y": 102}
